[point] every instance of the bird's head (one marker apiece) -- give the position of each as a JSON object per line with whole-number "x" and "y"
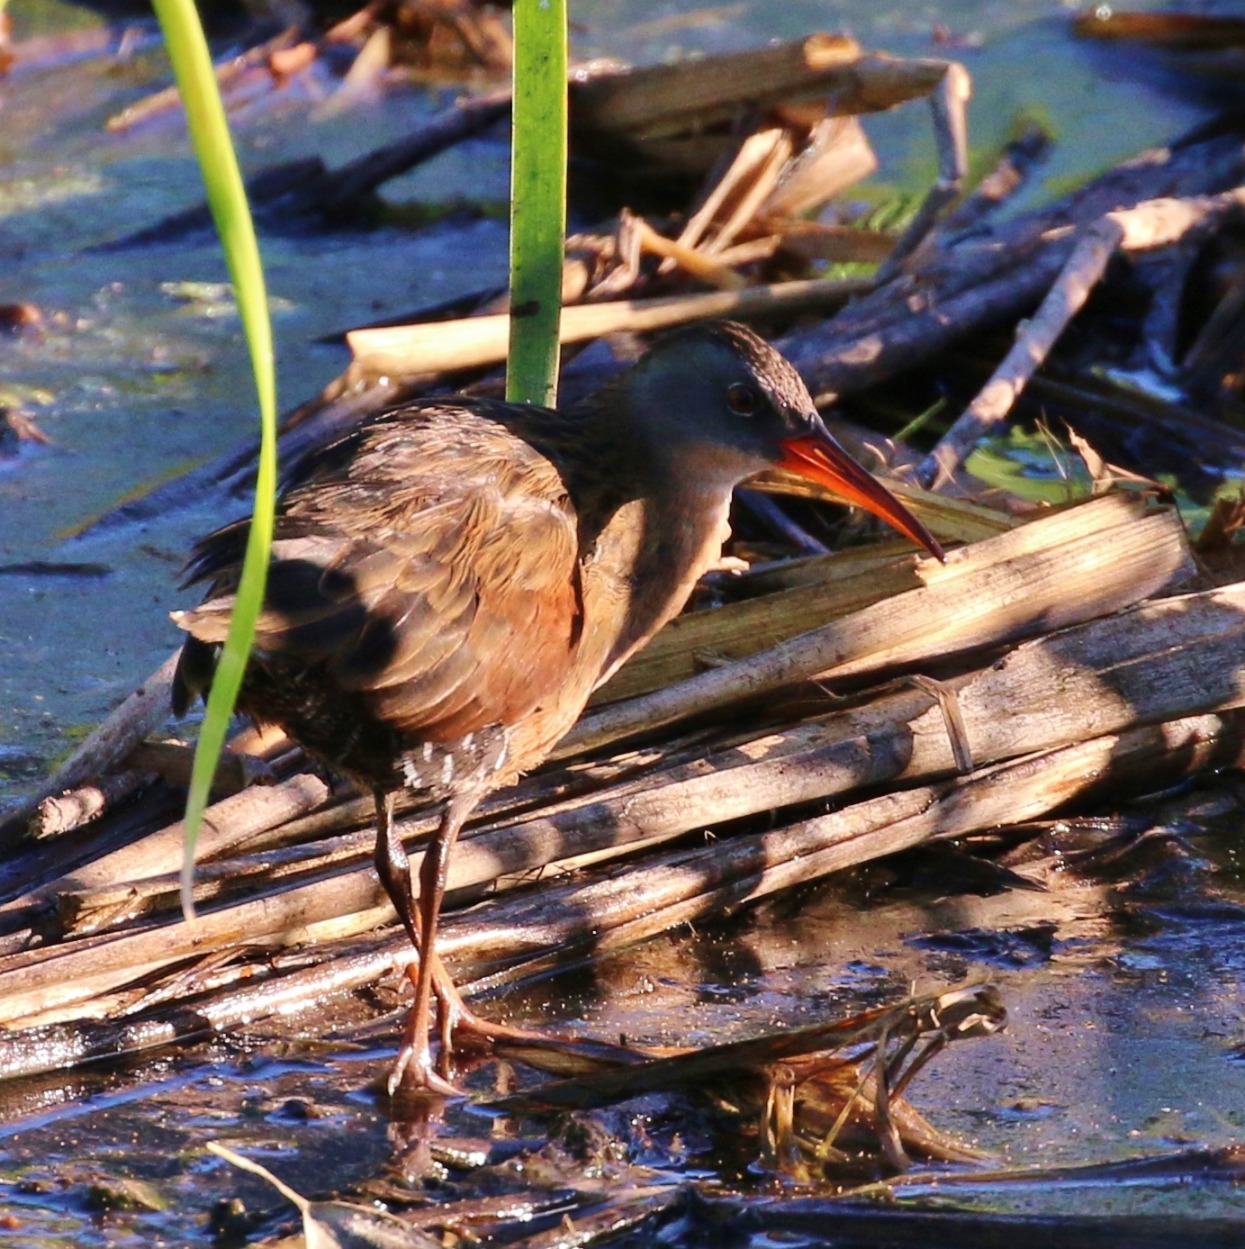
{"x": 717, "y": 400}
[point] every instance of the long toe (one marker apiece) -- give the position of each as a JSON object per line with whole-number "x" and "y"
{"x": 469, "y": 1024}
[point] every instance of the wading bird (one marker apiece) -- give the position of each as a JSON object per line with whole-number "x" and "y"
{"x": 452, "y": 579}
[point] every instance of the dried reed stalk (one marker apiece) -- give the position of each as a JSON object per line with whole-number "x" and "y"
{"x": 473, "y": 342}
{"x": 667, "y": 99}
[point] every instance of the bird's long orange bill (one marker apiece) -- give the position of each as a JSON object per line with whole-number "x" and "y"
{"x": 819, "y": 458}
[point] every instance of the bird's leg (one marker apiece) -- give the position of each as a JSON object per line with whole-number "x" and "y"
{"x": 415, "y": 1055}
{"x": 392, "y": 865}
{"x": 394, "y": 869}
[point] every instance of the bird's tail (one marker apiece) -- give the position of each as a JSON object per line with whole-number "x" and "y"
{"x": 196, "y": 666}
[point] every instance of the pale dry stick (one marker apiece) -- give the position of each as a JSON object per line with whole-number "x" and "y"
{"x": 1157, "y": 661}
{"x": 474, "y": 342}
{"x": 76, "y": 807}
{"x": 723, "y": 244}
{"x": 664, "y": 100}
{"x": 227, "y": 824}
{"x": 949, "y": 103}
{"x": 147, "y": 762}
{"x": 836, "y": 156}
{"x": 752, "y": 192}
{"x": 1034, "y": 340}
{"x": 1055, "y": 571}
{"x": 1156, "y": 223}
{"x": 677, "y": 254}
{"x": 760, "y": 155}
{"x": 952, "y": 717}
{"x": 750, "y": 251}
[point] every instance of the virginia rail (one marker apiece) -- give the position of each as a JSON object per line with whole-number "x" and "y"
{"x": 451, "y": 581}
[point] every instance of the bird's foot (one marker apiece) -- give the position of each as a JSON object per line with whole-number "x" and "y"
{"x": 460, "y": 1031}
{"x": 414, "y": 1072}
{"x": 457, "y": 1022}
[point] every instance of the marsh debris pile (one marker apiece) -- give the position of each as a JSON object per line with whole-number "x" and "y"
{"x": 819, "y": 712}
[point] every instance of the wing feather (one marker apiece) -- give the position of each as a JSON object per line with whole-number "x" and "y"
{"x": 430, "y": 576}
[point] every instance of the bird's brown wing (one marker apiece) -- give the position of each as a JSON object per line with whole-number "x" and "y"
{"x": 431, "y": 573}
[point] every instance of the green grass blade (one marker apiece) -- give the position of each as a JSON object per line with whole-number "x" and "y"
{"x": 226, "y": 194}
{"x": 537, "y": 200}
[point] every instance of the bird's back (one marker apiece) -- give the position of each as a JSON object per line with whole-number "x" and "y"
{"x": 423, "y": 594}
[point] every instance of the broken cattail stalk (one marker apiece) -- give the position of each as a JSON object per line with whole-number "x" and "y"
{"x": 666, "y": 99}
{"x": 73, "y": 809}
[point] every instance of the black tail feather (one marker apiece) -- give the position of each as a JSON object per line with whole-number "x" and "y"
{"x": 193, "y": 678}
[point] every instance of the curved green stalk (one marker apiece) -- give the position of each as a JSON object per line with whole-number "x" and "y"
{"x": 226, "y": 194}
{"x": 537, "y": 200}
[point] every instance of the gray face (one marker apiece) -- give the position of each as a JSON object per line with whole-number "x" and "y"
{"x": 722, "y": 389}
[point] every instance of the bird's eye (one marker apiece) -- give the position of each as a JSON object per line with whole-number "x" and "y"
{"x": 742, "y": 400}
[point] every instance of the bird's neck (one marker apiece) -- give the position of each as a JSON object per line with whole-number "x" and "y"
{"x": 652, "y": 516}
{"x": 647, "y": 558}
